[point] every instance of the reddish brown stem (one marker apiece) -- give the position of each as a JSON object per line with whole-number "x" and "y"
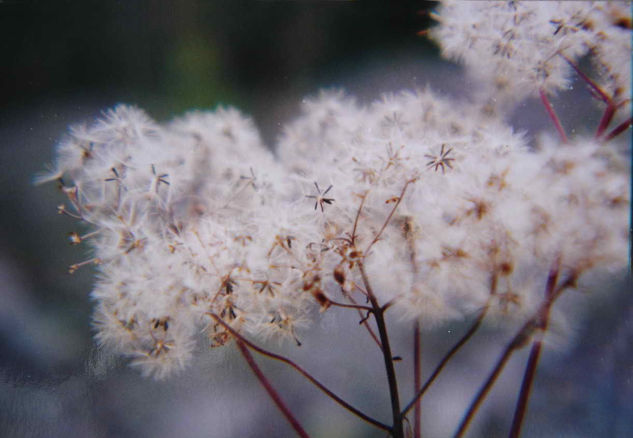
{"x": 397, "y": 429}
{"x": 537, "y": 321}
{"x": 447, "y": 357}
{"x": 541, "y": 323}
{"x": 391, "y": 213}
{"x": 471, "y": 331}
{"x": 607, "y": 116}
{"x": 350, "y": 306}
{"x": 609, "y": 111}
{"x": 526, "y": 386}
{"x": 553, "y": 116}
{"x": 301, "y": 371}
{"x": 363, "y": 319}
{"x": 481, "y": 395}
{"x": 274, "y": 395}
{"x": 358, "y": 212}
{"x": 417, "y": 379}
{"x": 619, "y": 129}
{"x": 598, "y": 91}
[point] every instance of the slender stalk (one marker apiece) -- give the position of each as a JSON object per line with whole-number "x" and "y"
{"x": 274, "y": 395}
{"x": 483, "y": 391}
{"x": 611, "y": 108}
{"x": 619, "y": 129}
{"x": 363, "y": 319}
{"x": 358, "y": 212}
{"x": 397, "y": 430}
{"x": 607, "y": 116}
{"x": 471, "y": 331}
{"x": 436, "y": 372}
{"x": 391, "y": 213}
{"x": 526, "y": 386}
{"x": 552, "y": 115}
{"x": 519, "y": 341}
{"x": 595, "y": 87}
{"x": 541, "y": 323}
{"x": 408, "y": 229}
{"x": 301, "y": 371}
{"x": 417, "y": 379}
{"x": 350, "y": 306}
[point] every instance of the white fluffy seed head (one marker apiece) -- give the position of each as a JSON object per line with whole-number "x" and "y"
{"x": 446, "y": 208}
{"x": 514, "y": 49}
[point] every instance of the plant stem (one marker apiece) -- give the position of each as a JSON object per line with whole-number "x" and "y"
{"x": 417, "y": 379}
{"x": 301, "y": 371}
{"x": 363, "y": 319}
{"x": 608, "y": 114}
{"x": 595, "y": 87}
{"x": 397, "y": 430}
{"x": 471, "y": 331}
{"x": 526, "y": 386}
{"x": 619, "y": 129}
{"x": 274, "y": 395}
{"x": 552, "y": 115}
{"x": 541, "y": 323}
{"x": 519, "y": 341}
{"x": 483, "y": 391}
{"x": 358, "y": 212}
{"x": 350, "y": 306}
{"x": 391, "y": 213}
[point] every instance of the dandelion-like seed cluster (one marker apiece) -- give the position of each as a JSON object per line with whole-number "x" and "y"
{"x": 516, "y": 48}
{"x": 447, "y": 209}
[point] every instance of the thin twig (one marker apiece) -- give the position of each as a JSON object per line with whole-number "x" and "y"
{"x": 417, "y": 379}
{"x": 552, "y": 115}
{"x": 526, "y": 386}
{"x": 359, "y": 307}
{"x": 603, "y": 96}
{"x": 397, "y": 429}
{"x": 360, "y": 209}
{"x": 361, "y": 290}
{"x": 363, "y": 319}
{"x": 519, "y": 341}
{"x": 436, "y": 372}
{"x": 301, "y": 371}
{"x": 516, "y": 343}
{"x": 619, "y": 129}
{"x": 274, "y": 395}
{"x": 393, "y": 210}
{"x": 448, "y": 356}
{"x": 535, "y": 352}
{"x": 606, "y": 118}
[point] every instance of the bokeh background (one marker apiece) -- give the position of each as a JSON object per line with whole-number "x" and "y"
{"x": 62, "y": 62}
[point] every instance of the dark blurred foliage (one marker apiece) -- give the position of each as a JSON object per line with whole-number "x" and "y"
{"x": 184, "y": 54}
